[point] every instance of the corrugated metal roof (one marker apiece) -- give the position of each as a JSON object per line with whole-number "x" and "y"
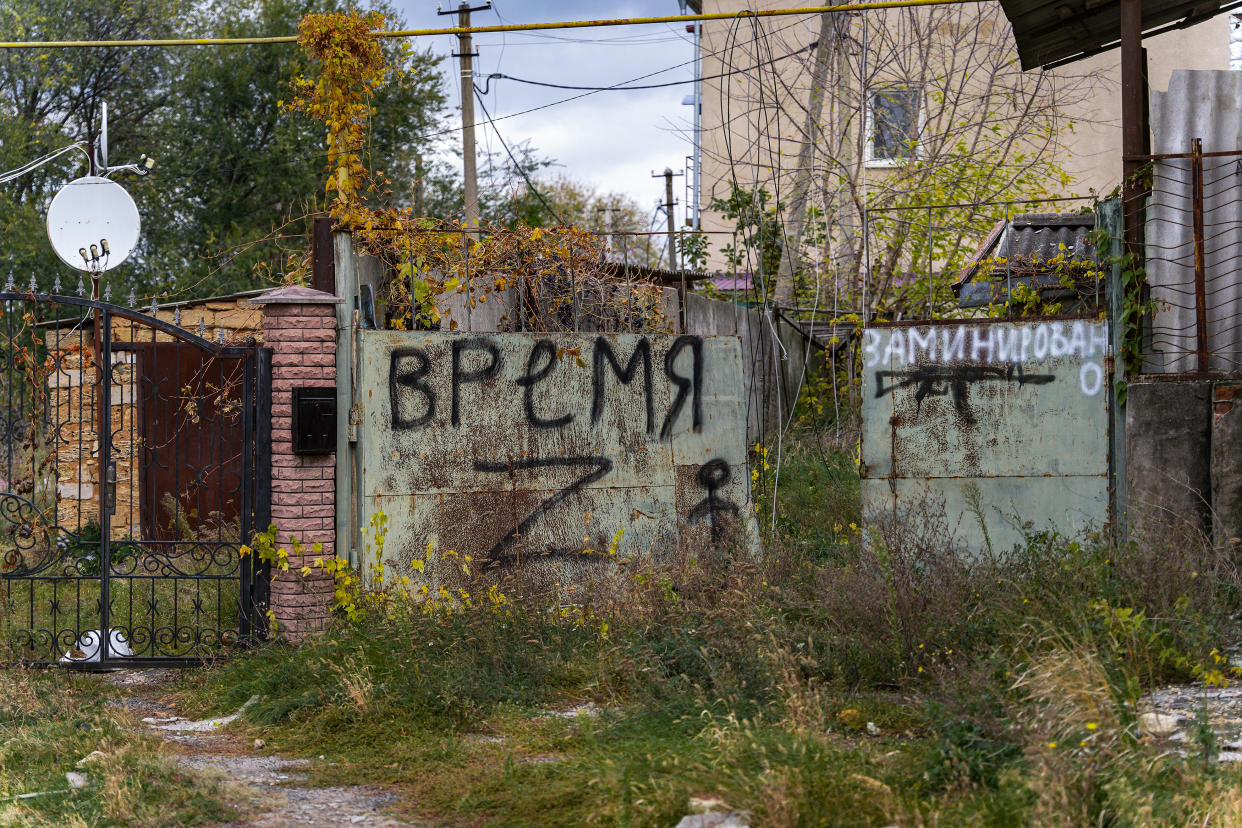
{"x": 1054, "y": 32}
{"x": 1029, "y": 238}
{"x": 1042, "y": 234}
{"x": 1205, "y": 104}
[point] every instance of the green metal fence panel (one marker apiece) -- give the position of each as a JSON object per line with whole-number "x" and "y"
{"x": 1003, "y": 424}
{"x": 530, "y": 451}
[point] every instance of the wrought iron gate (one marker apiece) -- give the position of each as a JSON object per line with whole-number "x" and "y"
{"x": 133, "y": 466}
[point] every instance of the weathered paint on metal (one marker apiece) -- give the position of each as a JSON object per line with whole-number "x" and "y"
{"x": 1011, "y": 417}
{"x": 1207, "y": 105}
{"x": 523, "y": 450}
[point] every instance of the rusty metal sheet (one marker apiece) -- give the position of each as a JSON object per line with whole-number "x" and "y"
{"x": 532, "y": 448}
{"x": 1015, "y": 411}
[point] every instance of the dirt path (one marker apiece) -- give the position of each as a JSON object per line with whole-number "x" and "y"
{"x": 266, "y": 790}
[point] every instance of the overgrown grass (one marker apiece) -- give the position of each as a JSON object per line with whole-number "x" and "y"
{"x": 847, "y": 679}
{"x": 49, "y": 721}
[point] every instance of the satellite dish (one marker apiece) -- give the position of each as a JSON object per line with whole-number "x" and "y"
{"x": 93, "y": 224}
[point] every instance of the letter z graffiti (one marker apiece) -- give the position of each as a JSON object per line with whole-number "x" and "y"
{"x": 500, "y": 554}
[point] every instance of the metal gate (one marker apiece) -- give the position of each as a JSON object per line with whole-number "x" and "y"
{"x": 1002, "y": 425}
{"x": 133, "y": 466}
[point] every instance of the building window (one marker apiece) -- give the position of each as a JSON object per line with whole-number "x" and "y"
{"x": 893, "y": 123}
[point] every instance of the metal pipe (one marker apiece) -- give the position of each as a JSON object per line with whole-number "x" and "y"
{"x": 518, "y": 27}
{"x": 1133, "y": 124}
{"x": 1196, "y": 190}
{"x": 931, "y": 290}
{"x": 346, "y": 287}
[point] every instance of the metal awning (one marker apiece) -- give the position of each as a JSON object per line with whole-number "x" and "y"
{"x": 1055, "y": 32}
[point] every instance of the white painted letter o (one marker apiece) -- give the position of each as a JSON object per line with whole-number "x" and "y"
{"x": 1090, "y": 378}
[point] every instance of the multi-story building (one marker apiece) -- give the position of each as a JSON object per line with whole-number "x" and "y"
{"x": 905, "y": 107}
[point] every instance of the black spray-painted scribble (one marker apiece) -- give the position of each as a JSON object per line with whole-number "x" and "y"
{"x": 691, "y": 386}
{"x": 545, "y": 352}
{"x": 401, "y": 375}
{"x": 955, "y": 380}
{"x": 481, "y": 421}
{"x": 460, "y": 346}
{"x": 713, "y": 475}
{"x": 604, "y": 353}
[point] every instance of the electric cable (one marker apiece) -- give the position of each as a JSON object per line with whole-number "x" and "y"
{"x": 512, "y": 158}
{"x": 619, "y": 88}
{"x": 457, "y": 30}
{"x": 454, "y": 130}
{"x": 31, "y": 166}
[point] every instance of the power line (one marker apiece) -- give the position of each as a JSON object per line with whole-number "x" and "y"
{"x": 449, "y": 131}
{"x": 512, "y": 158}
{"x": 519, "y": 27}
{"x": 619, "y": 88}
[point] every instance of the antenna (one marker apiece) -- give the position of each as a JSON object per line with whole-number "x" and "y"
{"x": 145, "y": 162}
{"x": 101, "y": 154}
{"x": 93, "y": 224}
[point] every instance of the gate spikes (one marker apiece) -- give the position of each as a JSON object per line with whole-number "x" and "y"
{"x": 56, "y": 285}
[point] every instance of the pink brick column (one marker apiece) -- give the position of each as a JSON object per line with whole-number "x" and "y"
{"x": 299, "y": 325}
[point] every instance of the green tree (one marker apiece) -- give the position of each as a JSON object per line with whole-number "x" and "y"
{"x": 235, "y": 175}
{"x": 51, "y": 98}
{"x": 239, "y": 167}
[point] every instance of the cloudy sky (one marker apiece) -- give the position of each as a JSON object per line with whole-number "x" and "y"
{"x": 610, "y": 140}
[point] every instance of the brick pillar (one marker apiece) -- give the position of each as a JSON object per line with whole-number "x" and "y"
{"x": 299, "y": 325}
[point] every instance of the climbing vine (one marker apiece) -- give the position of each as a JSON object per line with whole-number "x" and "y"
{"x": 352, "y": 68}
{"x": 552, "y": 271}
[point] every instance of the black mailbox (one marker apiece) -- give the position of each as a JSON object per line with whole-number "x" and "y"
{"x": 314, "y": 420}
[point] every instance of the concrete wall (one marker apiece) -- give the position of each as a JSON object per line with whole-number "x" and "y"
{"x": 1168, "y": 442}
{"x": 1183, "y": 444}
{"x": 776, "y": 358}
{"x": 772, "y": 373}
{"x": 530, "y": 451}
{"x": 1011, "y": 415}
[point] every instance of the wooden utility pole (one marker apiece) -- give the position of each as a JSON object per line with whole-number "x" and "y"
{"x": 805, "y": 169}
{"x": 668, "y": 208}
{"x": 466, "y": 55}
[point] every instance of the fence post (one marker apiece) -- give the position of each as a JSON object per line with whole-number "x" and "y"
{"x": 299, "y": 326}
{"x": 1110, "y": 217}
{"x": 1196, "y": 184}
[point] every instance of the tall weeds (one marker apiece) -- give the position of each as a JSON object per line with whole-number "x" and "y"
{"x": 1013, "y": 676}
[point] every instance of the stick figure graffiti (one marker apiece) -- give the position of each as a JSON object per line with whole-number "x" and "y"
{"x": 713, "y": 475}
